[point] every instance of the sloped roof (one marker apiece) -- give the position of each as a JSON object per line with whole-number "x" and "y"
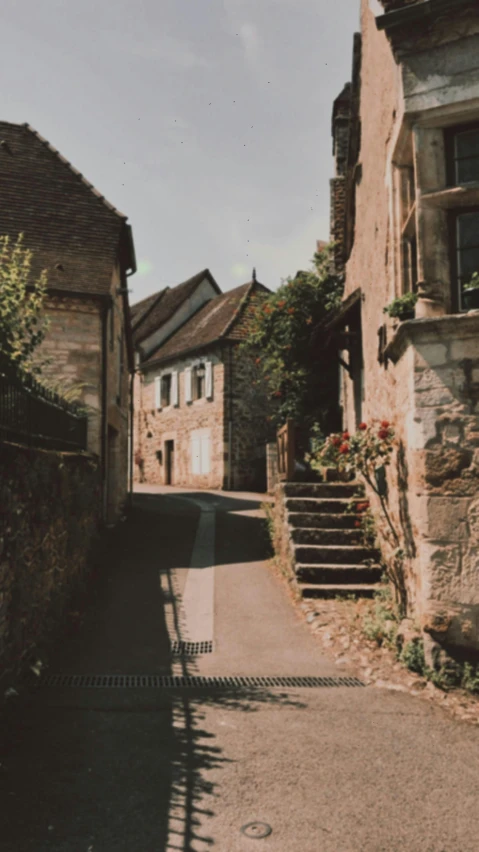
{"x": 223, "y": 318}
{"x": 139, "y": 310}
{"x": 165, "y": 303}
{"x": 72, "y": 230}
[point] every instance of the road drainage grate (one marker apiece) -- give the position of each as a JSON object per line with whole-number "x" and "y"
{"x": 191, "y": 649}
{"x": 190, "y": 682}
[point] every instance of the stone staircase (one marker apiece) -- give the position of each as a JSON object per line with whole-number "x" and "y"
{"x": 328, "y": 556}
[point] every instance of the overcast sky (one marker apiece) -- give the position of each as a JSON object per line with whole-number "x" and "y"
{"x": 207, "y": 122}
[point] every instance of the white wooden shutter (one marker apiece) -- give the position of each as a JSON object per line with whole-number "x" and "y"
{"x": 205, "y": 454}
{"x": 158, "y": 393}
{"x": 209, "y": 380}
{"x": 188, "y": 389}
{"x": 195, "y": 455}
{"x": 174, "y": 388}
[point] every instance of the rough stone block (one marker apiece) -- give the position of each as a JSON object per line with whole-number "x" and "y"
{"x": 442, "y": 518}
{"x": 446, "y": 463}
{"x": 430, "y": 354}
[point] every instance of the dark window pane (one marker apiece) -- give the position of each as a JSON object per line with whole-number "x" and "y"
{"x": 468, "y": 230}
{"x": 467, "y": 170}
{"x": 468, "y": 263}
{"x": 467, "y": 143}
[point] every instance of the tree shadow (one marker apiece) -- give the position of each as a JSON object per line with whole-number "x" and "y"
{"x": 120, "y": 769}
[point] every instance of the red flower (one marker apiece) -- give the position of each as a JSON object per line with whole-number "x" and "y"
{"x": 277, "y": 393}
{"x": 383, "y": 434}
{"x": 258, "y": 361}
{"x": 363, "y": 426}
{"x": 361, "y": 507}
{"x": 290, "y": 310}
{"x": 282, "y": 303}
{"x": 344, "y": 448}
{"x": 357, "y": 523}
{"x": 346, "y": 436}
{"x": 385, "y": 424}
{"x": 336, "y": 441}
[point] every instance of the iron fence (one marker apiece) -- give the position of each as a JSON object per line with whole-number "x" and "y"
{"x": 32, "y": 414}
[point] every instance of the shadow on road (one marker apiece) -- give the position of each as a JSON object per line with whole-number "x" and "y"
{"x": 117, "y": 769}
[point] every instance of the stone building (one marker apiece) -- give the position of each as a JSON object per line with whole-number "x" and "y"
{"x": 199, "y": 420}
{"x": 406, "y": 138}
{"x": 86, "y": 246}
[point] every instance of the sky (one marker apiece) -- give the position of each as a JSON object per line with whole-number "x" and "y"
{"x": 206, "y": 122}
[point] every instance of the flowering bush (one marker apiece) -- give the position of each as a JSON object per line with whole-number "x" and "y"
{"x": 367, "y": 449}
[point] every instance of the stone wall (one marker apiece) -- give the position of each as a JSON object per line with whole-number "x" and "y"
{"x": 72, "y": 356}
{"x": 153, "y": 428}
{"x": 236, "y": 401}
{"x": 250, "y": 430}
{"x": 441, "y": 439}
{"x": 427, "y": 386}
{"x": 72, "y": 351}
{"x": 50, "y": 504}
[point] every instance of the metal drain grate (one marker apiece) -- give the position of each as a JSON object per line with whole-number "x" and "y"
{"x": 191, "y": 649}
{"x": 189, "y": 682}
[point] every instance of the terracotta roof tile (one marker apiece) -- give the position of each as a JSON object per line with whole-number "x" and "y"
{"x": 69, "y": 226}
{"x": 168, "y": 301}
{"x": 223, "y": 318}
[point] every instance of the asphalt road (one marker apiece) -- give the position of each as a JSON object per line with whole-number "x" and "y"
{"x": 329, "y": 769}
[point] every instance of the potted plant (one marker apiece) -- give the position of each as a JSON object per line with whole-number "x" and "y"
{"x": 403, "y": 307}
{"x": 470, "y": 294}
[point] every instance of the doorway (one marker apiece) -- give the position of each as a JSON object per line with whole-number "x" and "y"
{"x": 169, "y": 462}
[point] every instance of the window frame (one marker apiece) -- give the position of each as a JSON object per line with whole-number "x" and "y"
{"x": 450, "y": 134}
{"x": 165, "y": 399}
{"x": 453, "y": 252}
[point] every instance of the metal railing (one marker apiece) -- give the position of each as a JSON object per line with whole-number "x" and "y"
{"x": 32, "y": 414}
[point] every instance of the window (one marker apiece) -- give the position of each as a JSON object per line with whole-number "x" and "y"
{"x": 466, "y": 255}
{"x": 408, "y": 228}
{"x": 462, "y": 146}
{"x": 199, "y": 381}
{"x": 166, "y": 390}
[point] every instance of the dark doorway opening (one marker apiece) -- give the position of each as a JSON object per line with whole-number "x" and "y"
{"x": 169, "y": 462}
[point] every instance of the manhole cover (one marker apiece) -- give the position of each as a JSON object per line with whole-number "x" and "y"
{"x": 257, "y": 830}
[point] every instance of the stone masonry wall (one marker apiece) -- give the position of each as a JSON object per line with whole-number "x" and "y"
{"x": 72, "y": 347}
{"x": 50, "y": 505}
{"x": 153, "y": 428}
{"x": 250, "y": 427}
{"x": 424, "y": 390}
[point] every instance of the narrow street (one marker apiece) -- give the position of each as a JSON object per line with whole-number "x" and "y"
{"x": 175, "y": 766}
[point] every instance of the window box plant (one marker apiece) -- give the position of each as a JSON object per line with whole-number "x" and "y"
{"x": 470, "y": 294}
{"x": 403, "y": 307}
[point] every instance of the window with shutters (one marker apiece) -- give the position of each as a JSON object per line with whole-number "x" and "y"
{"x": 199, "y": 379}
{"x": 166, "y": 390}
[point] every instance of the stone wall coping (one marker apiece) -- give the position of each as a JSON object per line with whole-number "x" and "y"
{"x": 432, "y": 329}
{"x": 85, "y": 455}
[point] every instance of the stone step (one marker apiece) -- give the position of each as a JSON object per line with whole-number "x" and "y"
{"x": 324, "y": 489}
{"x": 313, "y": 504}
{"x": 359, "y": 590}
{"x": 320, "y": 554}
{"x": 338, "y": 574}
{"x": 316, "y": 520}
{"x": 315, "y": 535}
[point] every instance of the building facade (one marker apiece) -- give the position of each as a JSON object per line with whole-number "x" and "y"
{"x": 406, "y": 135}
{"x": 86, "y": 246}
{"x": 200, "y": 422}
